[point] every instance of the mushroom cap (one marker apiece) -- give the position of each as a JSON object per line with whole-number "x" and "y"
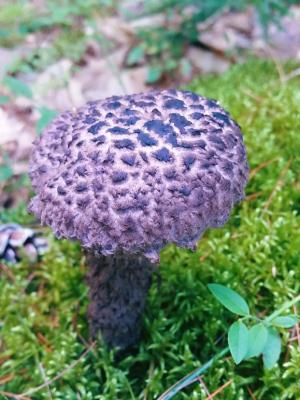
{"x": 134, "y": 173}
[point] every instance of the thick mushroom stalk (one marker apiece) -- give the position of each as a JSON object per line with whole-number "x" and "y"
{"x": 118, "y": 287}
{"x": 128, "y": 175}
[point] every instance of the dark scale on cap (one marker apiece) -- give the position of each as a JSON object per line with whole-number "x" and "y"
{"x": 94, "y": 129}
{"x": 42, "y": 169}
{"x": 94, "y": 156}
{"x": 158, "y": 127}
{"x": 172, "y": 139}
{"x": 156, "y": 112}
{"x": 149, "y": 97}
{"x": 61, "y": 191}
{"x": 97, "y": 185}
{"x": 190, "y": 96}
{"x": 227, "y": 167}
{"x": 110, "y": 115}
{"x": 144, "y": 104}
{"x": 109, "y": 158}
{"x": 207, "y": 164}
{"x": 195, "y": 132}
{"x": 197, "y": 115}
{"x": 170, "y": 174}
{"x": 175, "y": 104}
{"x": 128, "y": 112}
{"x": 99, "y": 139}
{"x": 189, "y": 160}
{"x": 217, "y": 141}
{"x": 186, "y": 145}
{"x": 197, "y": 106}
{"x": 83, "y": 202}
{"x": 146, "y": 140}
{"x": 118, "y": 130}
{"x": 124, "y": 144}
{"x": 81, "y": 170}
{"x": 144, "y": 156}
{"x": 179, "y": 121}
{"x": 200, "y": 143}
{"x": 95, "y": 112}
{"x": 113, "y": 105}
{"x": 79, "y": 144}
{"x": 130, "y": 121}
{"x": 185, "y": 190}
{"x": 81, "y": 187}
{"x": 221, "y": 117}
{"x": 128, "y": 159}
{"x": 119, "y": 176}
{"x": 164, "y": 153}
{"x": 211, "y": 103}
{"x": 89, "y": 120}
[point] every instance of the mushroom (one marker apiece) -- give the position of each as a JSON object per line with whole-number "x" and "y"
{"x": 18, "y": 242}
{"x": 127, "y": 175}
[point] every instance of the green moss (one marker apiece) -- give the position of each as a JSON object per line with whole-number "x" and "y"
{"x": 42, "y": 313}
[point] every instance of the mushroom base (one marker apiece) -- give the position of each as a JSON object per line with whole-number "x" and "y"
{"x": 118, "y": 287}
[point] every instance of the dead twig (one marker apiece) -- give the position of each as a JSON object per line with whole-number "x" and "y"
{"x": 278, "y": 65}
{"x": 203, "y": 385}
{"x": 253, "y": 96}
{"x": 6, "y": 378}
{"x": 261, "y": 166}
{"x": 204, "y": 256}
{"x": 297, "y": 328}
{"x": 150, "y": 374}
{"x": 219, "y": 390}
{"x": 57, "y": 377}
{"x": 43, "y": 374}
{"x": 253, "y": 196}
{"x": 278, "y": 185}
{"x": 251, "y": 393}
{"x": 14, "y": 396}
{"x": 292, "y": 74}
{"x": 7, "y": 272}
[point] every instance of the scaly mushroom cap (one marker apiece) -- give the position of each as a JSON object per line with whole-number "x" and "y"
{"x": 134, "y": 173}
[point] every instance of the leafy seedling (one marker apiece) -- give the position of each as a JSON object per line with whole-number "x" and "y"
{"x": 251, "y": 336}
{"x": 17, "y": 87}
{"x": 248, "y": 337}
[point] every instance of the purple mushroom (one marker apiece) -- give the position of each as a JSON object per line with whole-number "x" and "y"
{"x": 127, "y": 175}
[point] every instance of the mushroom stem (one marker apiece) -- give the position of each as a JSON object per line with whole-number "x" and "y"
{"x": 118, "y": 287}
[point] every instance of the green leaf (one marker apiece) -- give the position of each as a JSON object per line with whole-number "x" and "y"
{"x": 257, "y": 340}
{"x": 154, "y": 74}
{"x": 17, "y": 87}
{"x": 6, "y": 172}
{"x": 285, "y": 322}
{"x": 229, "y": 299}
{"x": 4, "y": 100}
{"x": 135, "y": 55}
{"x": 272, "y": 349}
{"x": 47, "y": 115}
{"x": 171, "y": 65}
{"x": 238, "y": 337}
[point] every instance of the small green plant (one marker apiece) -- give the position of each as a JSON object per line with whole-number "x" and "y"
{"x": 164, "y": 45}
{"x": 6, "y": 170}
{"x": 250, "y": 336}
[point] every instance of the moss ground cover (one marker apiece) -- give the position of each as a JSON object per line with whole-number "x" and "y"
{"x": 43, "y": 327}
